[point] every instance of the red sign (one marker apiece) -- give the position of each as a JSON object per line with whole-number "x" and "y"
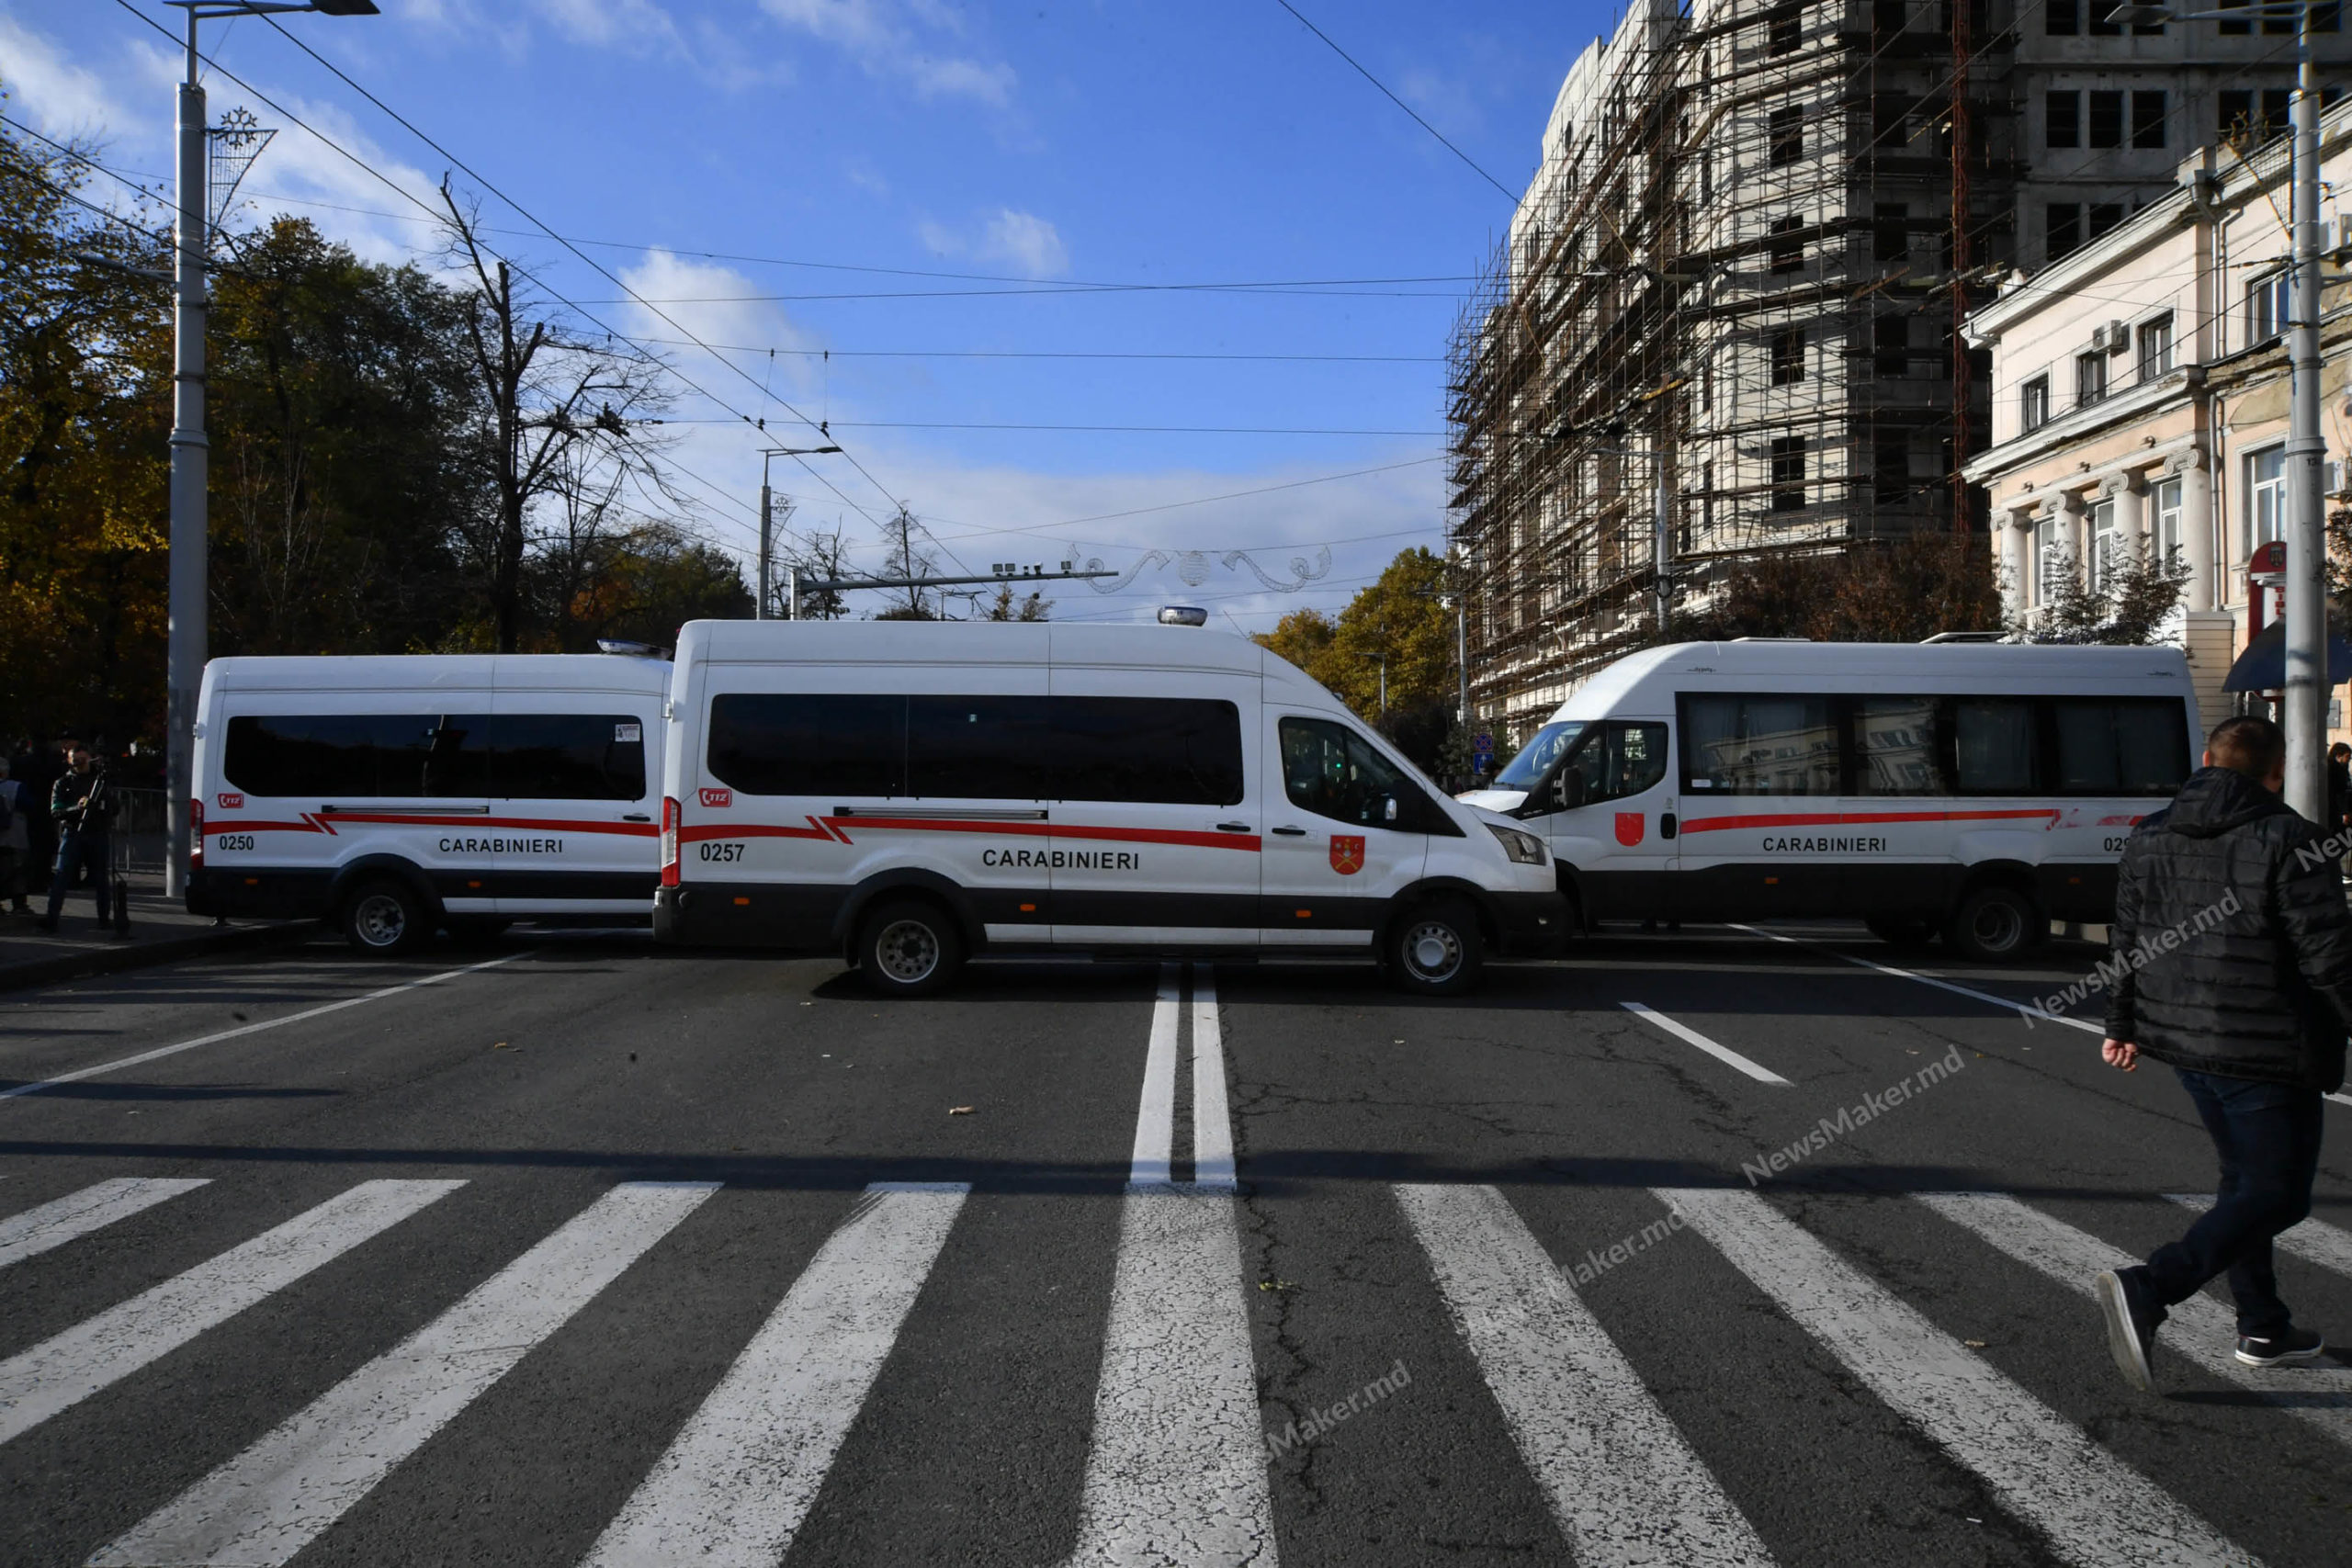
{"x": 231, "y": 802}
{"x": 718, "y": 799}
{"x": 1347, "y": 853}
{"x": 1629, "y": 827}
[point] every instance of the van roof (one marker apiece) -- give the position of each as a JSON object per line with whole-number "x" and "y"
{"x": 965, "y": 642}
{"x": 455, "y": 672}
{"x": 2011, "y": 665}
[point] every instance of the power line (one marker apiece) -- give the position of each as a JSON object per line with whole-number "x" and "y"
{"x": 1064, "y": 353}
{"x": 1296, "y": 292}
{"x": 1094, "y": 429}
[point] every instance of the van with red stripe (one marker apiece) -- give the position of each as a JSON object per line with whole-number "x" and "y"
{"x": 910, "y": 794}
{"x": 1977, "y": 790}
{"x": 396, "y": 795}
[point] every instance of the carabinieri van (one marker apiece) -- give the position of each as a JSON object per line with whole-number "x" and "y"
{"x": 908, "y": 793}
{"x": 1978, "y": 790}
{"x": 392, "y": 795}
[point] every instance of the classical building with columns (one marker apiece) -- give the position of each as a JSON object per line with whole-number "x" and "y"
{"x": 2140, "y": 397}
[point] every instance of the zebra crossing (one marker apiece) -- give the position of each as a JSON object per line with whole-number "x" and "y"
{"x": 1177, "y": 1469}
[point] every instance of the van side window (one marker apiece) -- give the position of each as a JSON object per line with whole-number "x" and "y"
{"x": 1330, "y": 769}
{"x": 979, "y": 748}
{"x": 1898, "y": 748}
{"x": 1164, "y": 750}
{"x": 567, "y": 756}
{"x": 1611, "y": 761}
{"x": 2121, "y": 745}
{"x": 380, "y": 755}
{"x": 800, "y": 743}
{"x": 1764, "y": 744}
{"x": 1993, "y": 741}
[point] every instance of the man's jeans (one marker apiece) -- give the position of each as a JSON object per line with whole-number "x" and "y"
{"x": 2267, "y": 1136}
{"x": 75, "y": 850}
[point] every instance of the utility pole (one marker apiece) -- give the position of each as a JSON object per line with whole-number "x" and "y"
{"x": 767, "y": 526}
{"x": 191, "y": 525}
{"x": 2307, "y": 674}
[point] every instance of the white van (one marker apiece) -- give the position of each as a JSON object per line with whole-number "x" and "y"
{"x": 392, "y": 795}
{"x": 1978, "y": 790}
{"x": 908, "y": 793}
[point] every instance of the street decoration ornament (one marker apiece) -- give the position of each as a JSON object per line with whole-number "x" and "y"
{"x": 1347, "y": 853}
{"x": 1629, "y": 827}
{"x": 1192, "y": 569}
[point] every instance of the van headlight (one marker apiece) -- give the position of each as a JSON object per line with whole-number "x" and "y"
{"x": 1524, "y": 847}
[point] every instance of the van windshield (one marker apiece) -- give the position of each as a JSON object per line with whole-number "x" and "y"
{"x": 1535, "y": 757}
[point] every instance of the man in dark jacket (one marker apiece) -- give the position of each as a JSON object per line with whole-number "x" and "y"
{"x": 2233, "y": 952}
{"x": 83, "y": 807}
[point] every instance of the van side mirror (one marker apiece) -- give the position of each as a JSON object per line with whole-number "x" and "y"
{"x": 1567, "y": 790}
{"x": 1388, "y": 808}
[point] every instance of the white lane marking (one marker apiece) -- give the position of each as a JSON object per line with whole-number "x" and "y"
{"x": 1156, "y": 1121}
{"x": 61, "y": 1372}
{"x": 742, "y": 1474}
{"x": 2004, "y": 1003}
{"x": 216, "y": 1037}
{"x": 1624, "y": 1484}
{"x": 1724, "y": 1053}
{"x": 270, "y": 1501}
{"x": 2313, "y": 1241}
{"x": 2090, "y": 1507}
{"x": 78, "y": 1214}
{"x": 1176, "y": 1470}
{"x": 2200, "y": 1329}
{"x": 1211, "y": 1124}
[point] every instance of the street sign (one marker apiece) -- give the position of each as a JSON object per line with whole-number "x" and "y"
{"x": 1482, "y": 743}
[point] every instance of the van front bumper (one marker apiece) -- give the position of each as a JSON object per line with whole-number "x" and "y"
{"x": 1532, "y": 925}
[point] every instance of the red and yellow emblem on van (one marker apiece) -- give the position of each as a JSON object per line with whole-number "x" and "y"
{"x": 718, "y": 799}
{"x": 1629, "y": 827}
{"x": 1347, "y": 853}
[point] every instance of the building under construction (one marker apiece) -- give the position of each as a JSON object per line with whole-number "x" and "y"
{"x": 1724, "y": 320}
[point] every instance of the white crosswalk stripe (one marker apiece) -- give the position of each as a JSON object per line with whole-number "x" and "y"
{"x": 2313, "y": 1241}
{"x": 2091, "y": 1508}
{"x": 78, "y": 1214}
{"x": 1626, "y": 1488}
{"x": 735, "y": 1485}
{"x": 2200, "y": 1329}
{"x": 275, "y": 1498}
{"x": 62, "y": 1371}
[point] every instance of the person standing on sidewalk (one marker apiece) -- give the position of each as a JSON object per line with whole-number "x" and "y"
{"x": 16, "y": 839}
{"x": 2234, "y": 952}
{"x": 83, "y": 808}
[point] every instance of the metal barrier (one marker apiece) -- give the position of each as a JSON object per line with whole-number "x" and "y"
{"x": 142, "y": 838}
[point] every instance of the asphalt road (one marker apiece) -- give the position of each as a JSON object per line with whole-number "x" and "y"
{"x": 566, "y": 1250}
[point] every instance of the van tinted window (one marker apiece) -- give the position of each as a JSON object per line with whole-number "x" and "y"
{"x": 378, "y": 756}
{"x": 1331, "y": 771}
{"x": 567, "y": 756}
{"x": 2121, "y": 745}
{"x": 1994, "y": 743}
{"x": 1765, "y": 744}
{"x": 1173, "y": 750}
{"x": 1898, "y": 746}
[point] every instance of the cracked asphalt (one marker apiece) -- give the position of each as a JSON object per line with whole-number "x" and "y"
{"x": 581, "y": 1061}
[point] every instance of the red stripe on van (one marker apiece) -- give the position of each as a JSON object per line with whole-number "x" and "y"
{"x": 835, "y": 827}
{"x": 315, "y": 823}
{"x": 1846, "y": 818}
{"x": 815, "y": 829}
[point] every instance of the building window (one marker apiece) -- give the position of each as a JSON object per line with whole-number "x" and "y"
{"x": 2148, "y": 121}
{"x": 2099, "y": 26}
{"x": 1890, "y": 231}
{"x": 2248, "y": 116}
{"x": 1787, "y": 135}
{"x": 1892, "y": 460}
{"x": 2267, "y": 309}
{"x": 1786, "y": 27}
{"x": 2063, "y": 18}
{"x": 1788, "y": 473}
{"x": 1892, "y": 347}
{"x": 2062, "y": 119}
{"x": 2104, "y": 215}
{"x": 2106, "y": 118}
{"x": 1788, "y": 252}
{"x": 2266, "y": 496}
{"x": 1788, "y": 358}
{"x": 2050, "y": 560}
{"x": 2062, "y": 229}
{"x": 2164, "y": 499}
{"x": 2090, "y": 378}
{"x": 2107, "y": 544}
{"x": 2033, "y": 404}
{"x": 2328, "y": 18}
{"x": 2156, "y": 348}
{"x": 1889, "y": 17}
{"x": 2232, "y": 29}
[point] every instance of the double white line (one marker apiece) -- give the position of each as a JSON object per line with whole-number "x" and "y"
{"x": 1154, "y": 1161}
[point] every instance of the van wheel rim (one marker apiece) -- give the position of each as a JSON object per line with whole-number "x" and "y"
{"x": 380, "y": 920}
{"x": 908, "y": 951}
{"x": 1997, "y": 928}
{"x": 1432, "y": 951}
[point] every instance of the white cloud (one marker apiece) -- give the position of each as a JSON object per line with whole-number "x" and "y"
{"x": 1022, "y": 240}
{"x": 635, "y": 25}
{"x": 887, "y": 38}
{"x": 61, "y": 97}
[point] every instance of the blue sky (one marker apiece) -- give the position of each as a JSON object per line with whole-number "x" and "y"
{"x": 722, "y": 148}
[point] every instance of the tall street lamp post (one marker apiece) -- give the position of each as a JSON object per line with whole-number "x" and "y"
{"x": 2306, "y": 688}
{"x": 767, "y": 524}
{"x": 184, "y": 656}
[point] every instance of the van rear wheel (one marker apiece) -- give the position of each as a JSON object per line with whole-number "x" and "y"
{"x": 385, "y": 916}
{"x": 909, "y": 947}
{"x": 1435, "y": 950}
{"x": 1995, "y": 923}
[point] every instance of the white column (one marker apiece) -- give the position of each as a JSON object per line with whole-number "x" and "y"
{"x": 2130, "y": 493}
{"x": 2016, "y": 547}
{"x": 2199, "y": 532}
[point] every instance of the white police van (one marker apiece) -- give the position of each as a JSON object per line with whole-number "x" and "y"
{"x": 910, "y": 794}
{"x": 395, "y": 793}
{"x": 1978, "y": 790}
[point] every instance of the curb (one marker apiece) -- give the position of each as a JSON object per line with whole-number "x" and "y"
{"x": 141, "y": 955}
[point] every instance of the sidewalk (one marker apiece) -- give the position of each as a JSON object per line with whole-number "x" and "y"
{"x": 161, "y": 932}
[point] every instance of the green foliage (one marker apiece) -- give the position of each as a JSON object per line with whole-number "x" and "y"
{"x": 1901, "y": 591}
{"x": 1396, "y": 622}
{"x": 2145, "y": 592}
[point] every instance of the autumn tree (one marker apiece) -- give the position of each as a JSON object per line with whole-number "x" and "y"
{"x": 1904, "y": 590}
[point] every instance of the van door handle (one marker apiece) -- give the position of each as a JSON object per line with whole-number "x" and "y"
{"x": 1233, "y": 826}
{"x": 637, "y": 817}
{"x": 1292, "y": 832}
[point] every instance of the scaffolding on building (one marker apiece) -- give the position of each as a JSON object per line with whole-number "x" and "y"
{"x": 1724, "y": 321}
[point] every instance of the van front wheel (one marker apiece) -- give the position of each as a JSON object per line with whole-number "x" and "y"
{"x": 1435, "y": 950}
{"x": 909, "y": 947}
{"x": 1993, "y": 924}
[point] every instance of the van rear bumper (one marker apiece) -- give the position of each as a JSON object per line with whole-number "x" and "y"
{"x": 260, "y": 893}
{"x": 748, "y": 914}
{"x": 1532, "y": 925}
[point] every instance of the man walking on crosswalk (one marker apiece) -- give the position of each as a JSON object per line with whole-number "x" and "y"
{"x": 2232, "y": 961}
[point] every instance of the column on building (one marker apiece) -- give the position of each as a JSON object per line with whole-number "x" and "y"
{"x": 2130, "y": 493}
{"x": 2198, "y": 530}
{"x": 2017, "y": 565}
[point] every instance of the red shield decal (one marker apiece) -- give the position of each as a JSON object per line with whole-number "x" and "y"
{"x": 1629, "y": 827}
{"x": 718, "y": 799}
{"x": 1347, "y": 853}
{"x": 231, "y": 802}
